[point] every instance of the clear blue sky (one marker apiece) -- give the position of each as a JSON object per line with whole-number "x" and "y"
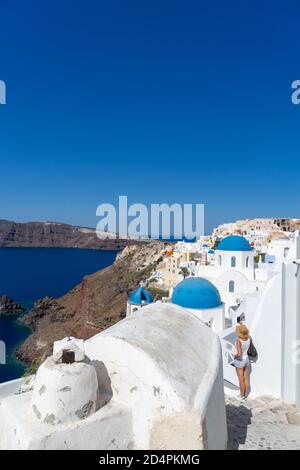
{"x": 163, "y": 101}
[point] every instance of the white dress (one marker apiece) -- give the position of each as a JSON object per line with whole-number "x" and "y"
{"x": 243, "y": 361}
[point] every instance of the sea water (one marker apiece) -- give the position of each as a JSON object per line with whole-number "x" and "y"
{"x": 28, "y": 274}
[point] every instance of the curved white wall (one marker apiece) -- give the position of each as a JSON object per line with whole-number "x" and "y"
{"x": 264, "y": 319}
{"x": 266, "y": 328}
{"x": 242, "y": 285}
{"x": 166, "y": 365}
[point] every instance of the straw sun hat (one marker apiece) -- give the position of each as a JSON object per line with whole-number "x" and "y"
{"x": 242, "y": 332}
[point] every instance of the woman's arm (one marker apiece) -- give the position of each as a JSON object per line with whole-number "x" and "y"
{"x": 238, "y": 349}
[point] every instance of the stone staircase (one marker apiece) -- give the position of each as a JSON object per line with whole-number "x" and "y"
{"x": 263, "y": 423}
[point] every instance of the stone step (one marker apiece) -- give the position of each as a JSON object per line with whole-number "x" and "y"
{"x": 231, "y": 390}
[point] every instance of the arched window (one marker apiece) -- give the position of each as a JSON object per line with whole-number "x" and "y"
{"x": 231, "y": 286}
{"x": 233, "y": 261}
{"x": 220, "y": 260}
{"x": 247, "y": 262}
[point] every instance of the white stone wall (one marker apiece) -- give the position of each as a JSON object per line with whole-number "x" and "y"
{"x": 265, "y": 326}
{"x": 279, "y": 249}
{"x": 272, "y": 316}
{"x": 263, "y": 313}
{"x": 221, "y": 278}
{"x": 244, "y": 261}
{"x": 242, "y": 285}
{"x": 166, "y": 365}
{"x": 131, "y": 308}
{"x": 212, "y": 317}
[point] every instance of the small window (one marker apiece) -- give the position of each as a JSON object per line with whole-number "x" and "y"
{"x": 233, "y": 262}
{"x": 231, "y": 286}
{"x": 220, "y": 260}
{"x": 286, "y": 251}
{"x": 247, "y": 262}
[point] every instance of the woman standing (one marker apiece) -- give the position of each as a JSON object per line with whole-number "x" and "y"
{"x": 241, "y": 359}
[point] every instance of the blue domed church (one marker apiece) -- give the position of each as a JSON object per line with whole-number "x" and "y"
{"x": 139, "y": 298}
{"x": 234, "y": 251}
{"x": 234, "y": 243}
{"x": 232, "y": 271}
{"x": 201, "y": 297}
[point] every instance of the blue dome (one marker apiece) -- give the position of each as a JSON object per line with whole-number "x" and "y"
{"x": 211, "y": 252}
{"x": 140, "y": 296}
{"x": 234, "y": 243}
{"x": 196, "y": 292}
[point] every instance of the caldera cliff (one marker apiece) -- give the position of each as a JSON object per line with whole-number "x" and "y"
{"x": 56, "y": 235}
{"x": 96, "y": 303}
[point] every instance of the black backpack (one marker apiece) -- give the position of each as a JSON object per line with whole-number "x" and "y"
{"x": 252, "y": 352}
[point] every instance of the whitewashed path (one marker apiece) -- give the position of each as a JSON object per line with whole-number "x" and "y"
{"x": 262, "y": 424}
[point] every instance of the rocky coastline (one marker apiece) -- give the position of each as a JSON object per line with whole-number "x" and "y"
{"x": 98, "y": 302}
{"x": 9, "y": 307}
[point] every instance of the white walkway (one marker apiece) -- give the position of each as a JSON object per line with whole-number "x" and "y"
{"x": 262, "y": 424}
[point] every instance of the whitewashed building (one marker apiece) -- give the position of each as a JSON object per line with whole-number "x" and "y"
{"x": 273, "y": 317}
{"x": 138, "y": 299}
{"x": 152, "y": 381}
{"x": 202, "y": 298}
{"x": 232, "y": 270}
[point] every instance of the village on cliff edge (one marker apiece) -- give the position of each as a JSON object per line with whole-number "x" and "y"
{"x": 160, "y": 378}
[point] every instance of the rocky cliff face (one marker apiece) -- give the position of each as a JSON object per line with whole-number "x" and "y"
{"x": 52, "y": 234}
{"x": 9, "y": 307}
{"x": 95, "y": 304}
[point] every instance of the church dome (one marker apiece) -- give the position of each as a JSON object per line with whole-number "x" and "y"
{"x": 234, "y": 243}
{"x": 196, "y": 292}
{"x": 140, "y": 297}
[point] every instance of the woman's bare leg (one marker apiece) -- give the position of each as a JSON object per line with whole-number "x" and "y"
{"x": 240, "y": 374}
{"x": 246, "y": 378}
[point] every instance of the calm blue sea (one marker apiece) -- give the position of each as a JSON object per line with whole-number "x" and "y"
{"x": 28, "y": 274}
